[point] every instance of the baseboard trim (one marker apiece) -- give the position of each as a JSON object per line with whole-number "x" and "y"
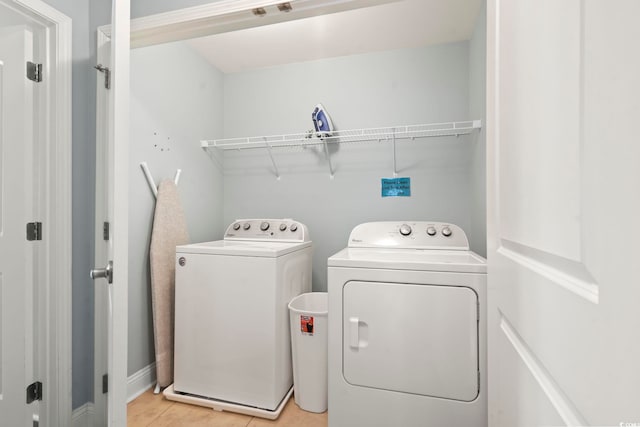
{"x": 137, "y": 384}
{"x": 83, "y": 416}
{"x": 141, "y": 381}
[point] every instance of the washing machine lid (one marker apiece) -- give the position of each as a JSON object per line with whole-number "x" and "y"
{"x": 410, "y": 259}
{"x": 243, "y": 248}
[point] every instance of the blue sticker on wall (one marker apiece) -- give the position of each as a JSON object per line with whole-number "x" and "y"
{"x": 396, "y": 187}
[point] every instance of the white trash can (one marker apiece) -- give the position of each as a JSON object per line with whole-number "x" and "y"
{"x": 308, "y": 314}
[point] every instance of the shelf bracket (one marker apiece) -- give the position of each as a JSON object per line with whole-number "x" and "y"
{"x": 273, "y": 162}
{"x": 393, "y": 143}
{"x": 326, "y": 153}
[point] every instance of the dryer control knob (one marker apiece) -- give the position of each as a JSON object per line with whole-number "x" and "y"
{"x": 293, "y": 227}
{"x": 246, "y": 226}
{"x": 446, "y": 232}
{"x": 431, "y": 231}
{"x": 405, "y": 230}
{"x": 236, "y": 226}
{"x": 264, "y": 226}
{"x": 283, "y": 227}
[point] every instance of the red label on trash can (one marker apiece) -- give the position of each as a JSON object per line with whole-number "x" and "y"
{"x": 306, "y": 325}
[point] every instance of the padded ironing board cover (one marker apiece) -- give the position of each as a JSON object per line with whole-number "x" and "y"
{"x": 169, "y": 231}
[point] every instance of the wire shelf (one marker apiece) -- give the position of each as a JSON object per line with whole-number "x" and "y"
{"x": 344, "y": 137}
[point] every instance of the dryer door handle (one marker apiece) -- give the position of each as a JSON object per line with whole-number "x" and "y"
{"x": 354, "y": 338}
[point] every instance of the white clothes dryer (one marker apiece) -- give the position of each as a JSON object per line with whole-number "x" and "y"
{"x": 407, "y": 328}
{"x": 232, "y": 337}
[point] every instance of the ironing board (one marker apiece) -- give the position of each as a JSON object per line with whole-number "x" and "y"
{"x": 169, "y": 231}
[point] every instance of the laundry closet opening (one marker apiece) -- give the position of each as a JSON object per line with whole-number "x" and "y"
{"x": 403, "y": 63}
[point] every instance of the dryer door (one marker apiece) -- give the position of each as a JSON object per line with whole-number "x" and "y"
{"x": 419, "y": 339}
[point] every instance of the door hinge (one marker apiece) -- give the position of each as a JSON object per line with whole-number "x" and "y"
{"x": 34, "y": 392}
{"x": 34, "y": 71}
{"x": 105, "y": 230}
{"x": 105, "y": 383}
{"x": 107, "y": 75}
{"x": 34, "y": 231}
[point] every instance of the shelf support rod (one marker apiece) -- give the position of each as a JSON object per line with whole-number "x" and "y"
{"x": 273, "y": 161}
{"x": 393, "y": 143}
{"x": 326, "y": 153}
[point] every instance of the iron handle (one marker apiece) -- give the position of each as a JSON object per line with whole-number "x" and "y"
{"x": 103, "y": 273}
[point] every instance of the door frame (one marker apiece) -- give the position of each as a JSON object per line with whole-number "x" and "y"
{"x": 55, "y": 291}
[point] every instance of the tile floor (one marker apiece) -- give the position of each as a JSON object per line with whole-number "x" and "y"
{"x": 154, "y": 410}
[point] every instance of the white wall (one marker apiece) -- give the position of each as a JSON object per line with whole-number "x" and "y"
{"x": 408, "y": 86}
{"x": 176, "y": 100}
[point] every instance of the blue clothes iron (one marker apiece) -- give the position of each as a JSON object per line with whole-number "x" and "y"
{"x": 321, "y": 122}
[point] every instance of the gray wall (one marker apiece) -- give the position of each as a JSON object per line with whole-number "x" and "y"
{"x": 409, "y": 86}
{"x": 86, "y": 15}
{"x": 83, "y": 183}
{"x": 176, "y": 100}
{"x": 477, "y": 110}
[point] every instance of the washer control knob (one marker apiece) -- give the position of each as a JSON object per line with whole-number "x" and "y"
{"x": 283, "y": 226}
{"x": 446, "y": 232}
{"x": 236, "y": 226}
{"x": 264, "y": 226}
{"x": 293, "y": 227}
{"x": 431, "y": 231}
{"x": 246, "y": 226}
{"x": 405, "y": 230}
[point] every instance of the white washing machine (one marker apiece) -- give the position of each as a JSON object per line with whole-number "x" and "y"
{"x": 232, "y": 337}
{"x": 407, "y": 328}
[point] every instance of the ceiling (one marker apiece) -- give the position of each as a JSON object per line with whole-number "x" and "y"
{"x": 401, "y": 24}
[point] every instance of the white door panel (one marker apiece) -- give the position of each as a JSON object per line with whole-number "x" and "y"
{"x": 117, "y": 184}
{"x": 563, "y": 212}
{"x": 16, "y": 253}
{"x": 543, "y": 50}
{"x": 101, "y": 256}
{"x": 112, "y": 135}
{"x": 530, "y": 406}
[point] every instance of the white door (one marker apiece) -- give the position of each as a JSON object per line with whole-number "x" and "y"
{"x": 564, "y": 212}
{"x": 18, "y": 256}
{"x": 111, "y": 179}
